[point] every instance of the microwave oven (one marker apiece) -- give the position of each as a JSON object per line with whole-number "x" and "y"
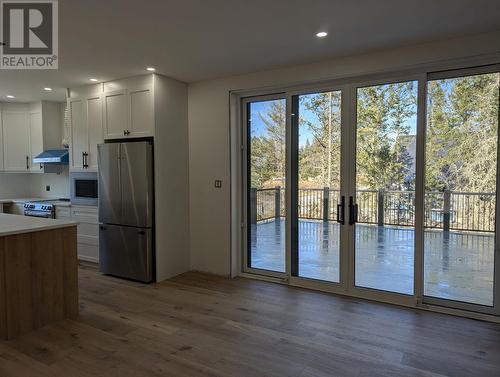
{"x": 84, "y": 188}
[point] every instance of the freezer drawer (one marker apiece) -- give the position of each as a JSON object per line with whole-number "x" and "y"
{"x": 126, "y": 252}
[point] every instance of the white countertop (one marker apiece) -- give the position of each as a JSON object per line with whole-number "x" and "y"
{"x": 17, "y": 224}
{"x": 55, "y": 202}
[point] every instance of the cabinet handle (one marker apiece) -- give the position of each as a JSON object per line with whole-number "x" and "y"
{"x": 27, "y": 163}
{"x": 124, "y": 132}
{"x": 84, "y": 160}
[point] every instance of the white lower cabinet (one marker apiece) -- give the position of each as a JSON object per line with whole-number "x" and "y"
{"x": 63, "y": 213}
{"x": 87, "y": 230}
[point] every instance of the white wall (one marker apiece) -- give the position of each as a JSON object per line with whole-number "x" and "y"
{"x": 15, "y": 185}
{"x": 59, "y": 185}
{"x": 209, "y": 145}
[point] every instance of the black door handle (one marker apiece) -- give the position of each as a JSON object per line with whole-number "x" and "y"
{"x": 84, "y": 159}
{"x": 27, "y": 163}
{"x": 353, "y": 211}
{"x": 340, "y": 211}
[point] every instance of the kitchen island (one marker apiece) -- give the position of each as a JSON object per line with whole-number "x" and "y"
{"x": 38, "y": 273}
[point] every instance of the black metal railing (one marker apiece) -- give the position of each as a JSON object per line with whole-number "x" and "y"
{"x": 448, "y": 210}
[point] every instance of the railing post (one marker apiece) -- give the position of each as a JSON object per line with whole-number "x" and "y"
{"x": 380, "y": 207}
{"x": 253, "y": 205}
{"x": 277, "y": 202}
{"x": 326, "y": 205}
{"x": 446, "y": 210}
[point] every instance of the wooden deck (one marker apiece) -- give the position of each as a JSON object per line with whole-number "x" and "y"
{"x": 458, "y": 266}
{"x": 199, "y": 325}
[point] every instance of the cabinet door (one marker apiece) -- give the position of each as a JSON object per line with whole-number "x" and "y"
{"x": 36, "y": 139}
{"x": 1, "y": 146}
{"x": 79, "y": 135}
{"x": 141, "y": 112}
{"x": 94, "y": 127}
{"x": 15, "y": 141}
{"x": 115, "y": 111}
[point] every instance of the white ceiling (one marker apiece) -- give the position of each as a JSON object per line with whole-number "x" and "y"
{"x": 193, "y": 40}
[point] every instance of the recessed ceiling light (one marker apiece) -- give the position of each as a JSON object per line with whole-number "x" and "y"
{"x": 10, "y": 96}
{"x": 150, "y": 69}
{"x": 322, "y": 34}
{"x": 47, "y": 89}
{"x": 93, "y": 80}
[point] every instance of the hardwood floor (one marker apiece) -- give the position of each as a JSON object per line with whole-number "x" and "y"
{"x": 201, "y": 325}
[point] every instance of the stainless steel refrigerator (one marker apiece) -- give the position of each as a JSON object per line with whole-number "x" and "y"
{"x": 126, "y": 210}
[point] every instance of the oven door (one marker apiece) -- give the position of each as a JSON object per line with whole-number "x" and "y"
{"x": 43, "y": 214}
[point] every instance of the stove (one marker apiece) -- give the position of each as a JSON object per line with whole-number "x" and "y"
{"x": 39, "y": 209}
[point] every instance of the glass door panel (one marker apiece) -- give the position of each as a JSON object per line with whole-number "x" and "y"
{"x": 266, "y": 142}
{"x": 319, "y": 177}
{"x": 385, "y": 156}
{"x": 460, "y": 188}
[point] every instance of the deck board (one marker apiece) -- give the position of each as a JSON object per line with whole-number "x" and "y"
{"x": 457, "y": 265}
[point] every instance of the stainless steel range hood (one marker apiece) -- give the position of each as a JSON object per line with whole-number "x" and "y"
{"x": 55, "y": 156}
{"x": 52, "y": 161}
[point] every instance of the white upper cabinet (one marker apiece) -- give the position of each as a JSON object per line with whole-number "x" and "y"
{"x": 120, "y": 109}
{"x": 115, "y": 110}
{"x": 86, "y": 131}
{"x": 35, "y": 138}
{"x": 16, "y": 140}
{"x": 128, "y": 108}
{"x": 94, "y": 124}
{"x": 79, "y": 139}
{"x": 141, "y": 118}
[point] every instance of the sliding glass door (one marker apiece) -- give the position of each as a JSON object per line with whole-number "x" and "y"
{"x": 386, "y": 135}
{"x": 461, "y": 149}
{"x": 384, "y": 189}
{"x": 319, "y": 201}
{"x": 266, "y": 166}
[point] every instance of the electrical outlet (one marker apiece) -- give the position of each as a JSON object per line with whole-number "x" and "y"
{"x": 47, "y": 188}
{"x": 218, "y": 183}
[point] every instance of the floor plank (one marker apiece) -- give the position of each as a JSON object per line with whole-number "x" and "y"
{"x": 204, "y": 325}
